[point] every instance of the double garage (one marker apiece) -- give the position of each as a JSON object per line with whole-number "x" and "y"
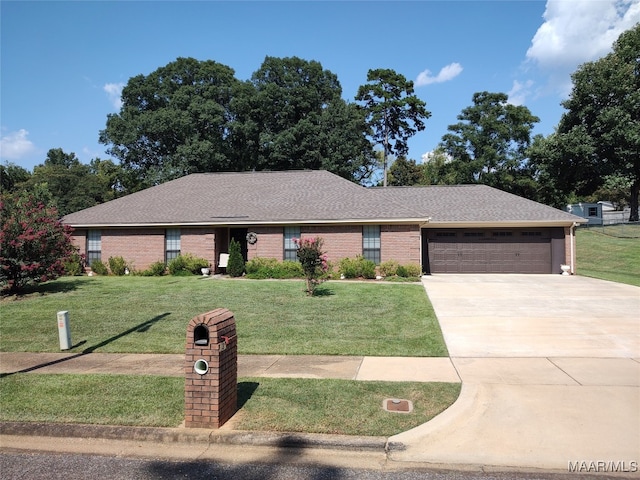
{"x": 498, "y": 250}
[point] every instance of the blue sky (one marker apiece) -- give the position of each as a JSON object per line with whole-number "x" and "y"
{"x": 63, "y": 64}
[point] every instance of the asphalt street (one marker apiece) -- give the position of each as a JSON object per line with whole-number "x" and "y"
{"x": 54, "y": 466}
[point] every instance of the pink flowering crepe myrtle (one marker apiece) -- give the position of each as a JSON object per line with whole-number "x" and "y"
{"x": 314, "y": 261}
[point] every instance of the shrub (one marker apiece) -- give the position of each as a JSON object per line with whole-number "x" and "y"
{"x": 389, "y": 268}
{"x": 156, "y": 269}
{"x": 313, "y": 261}
{"x": 195, "y": 264}
{"x": 413, "y": 270}
{"x": 34, "y": 244}
{"x": 178, "y": 266}
{"x": 117, "y": 265}
{"x": 357, "y": 267}
{"x": 235, "y": 265}
{"x": 289, "y": 269}
{"x": 186, "y": 264}
{"x": 260, "y": 268}
{"x": 75, "y": 265}
{"x": 98, "y": 266}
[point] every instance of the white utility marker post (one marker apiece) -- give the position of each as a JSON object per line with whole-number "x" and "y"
{"x": 63, "y": 330}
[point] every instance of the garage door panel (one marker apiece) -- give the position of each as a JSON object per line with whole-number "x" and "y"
{"x": 507, "y": 251}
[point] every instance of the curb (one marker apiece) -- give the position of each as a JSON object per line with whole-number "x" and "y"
{"x": 195, "y": 436}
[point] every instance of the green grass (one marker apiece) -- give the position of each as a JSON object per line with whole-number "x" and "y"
{"x": 291, "y": 405}
{"x": 93, "y": 399}
{"x": 609, "y": 253}
{"x": 150, "y": 315}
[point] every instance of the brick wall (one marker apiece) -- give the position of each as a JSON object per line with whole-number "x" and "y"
{"x": 140, "y": 247}
{"x": 79, "y": 239}
{"x": 340, "y": 241}
{"x": 270, "y": 243}
{"x": 400, "y": 243}
{"x": 568, "y": 248}
{"x": 200, "y": 242}
{"x": 211, "y": 398}
{"x": 144, "y": 246}
{"x": 397, "y": 242}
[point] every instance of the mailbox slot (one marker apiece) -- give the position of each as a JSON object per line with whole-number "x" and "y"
{"x": 201, "y": 336}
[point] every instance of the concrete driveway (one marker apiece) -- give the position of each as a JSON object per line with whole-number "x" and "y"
{"x": 536, "y": 316}
{"x": 550, "y": 367}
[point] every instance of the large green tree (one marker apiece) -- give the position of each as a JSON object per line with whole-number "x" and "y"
{"x": 173, "y": 122}
{"x": 404, "y": 172}
{"x": 299, "y": 120}
{"x": 12, "y": 176}
{"x": 192, "y": 116}
{"x": 63, "y": 181}
{"x": 489, "y": 145}
{"x": 394, "y": 113}
{"x": 599, "y": 135}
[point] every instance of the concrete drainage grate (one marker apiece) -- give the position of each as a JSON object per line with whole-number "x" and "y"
{"x": 396, "y": 405}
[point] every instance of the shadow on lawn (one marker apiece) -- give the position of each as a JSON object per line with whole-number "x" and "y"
{"x": 142, "y": 327}
{"x": 41, "y": 289}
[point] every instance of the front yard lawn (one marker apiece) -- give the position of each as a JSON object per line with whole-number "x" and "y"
{"x": 150, "y": 315}
{"x": 610, "y": 253}
{"x": 272, "y": 404}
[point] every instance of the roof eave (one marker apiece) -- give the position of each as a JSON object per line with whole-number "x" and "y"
{"x": 504, "y": 224}
{"x": 358, "y": 221}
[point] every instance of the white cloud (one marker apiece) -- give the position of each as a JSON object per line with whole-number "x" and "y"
{"x": 519, "y": 92}
{"x": 579, "y": 31}
{"x": 16, "y": 145}
{"x": 446, "y": 73}
{"x": 114, "y": 91}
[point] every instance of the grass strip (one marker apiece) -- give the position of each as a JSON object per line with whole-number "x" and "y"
{"x": 150, "y": 315}
{"x": 267, "y": 404}
{"x": 608, "y": 257}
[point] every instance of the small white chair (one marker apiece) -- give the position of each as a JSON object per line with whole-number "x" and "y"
{"x": 224, "y": 259}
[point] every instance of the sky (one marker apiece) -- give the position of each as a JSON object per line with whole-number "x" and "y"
{"x": 63, "y": 64}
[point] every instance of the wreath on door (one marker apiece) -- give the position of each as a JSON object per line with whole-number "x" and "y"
{"x": 252, "y": 238}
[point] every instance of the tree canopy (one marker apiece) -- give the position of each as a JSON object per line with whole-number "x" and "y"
{"x": 489, "y": 145}
{"x": 192, "y": 116}
{"x": 62, "y": 181}
{"x": 598, "y": 137}
{"x": 173, "y": 122}
{"x": 394, "y": 113}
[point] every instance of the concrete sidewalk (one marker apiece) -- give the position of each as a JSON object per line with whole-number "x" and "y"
{"x": 413, "y": 369}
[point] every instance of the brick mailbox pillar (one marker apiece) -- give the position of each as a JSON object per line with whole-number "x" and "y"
{"x": 211, "y": 369}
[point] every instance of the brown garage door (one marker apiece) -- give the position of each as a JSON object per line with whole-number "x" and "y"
{"x": 488, "y": 251}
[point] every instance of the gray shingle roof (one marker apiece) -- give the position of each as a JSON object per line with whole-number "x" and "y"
{"x": 474, "y": 203}
{"x": 306, "y": 196}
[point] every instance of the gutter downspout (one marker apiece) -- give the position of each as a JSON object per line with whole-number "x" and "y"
{"x": 573, "y": 239}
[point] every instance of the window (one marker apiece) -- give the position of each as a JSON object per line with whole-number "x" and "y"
{"x": 531, "y": 234}
{"x": 290, "y": 248}
{"x": 94, "y": 246}
{"x": 445, "y": 234}
{"x": 172, "y": 244}
{"x": 474, "y": 234}
{"x": 502, "y": 234}
{"x": 371, "y": 243}
{"x": 593, "y": 211}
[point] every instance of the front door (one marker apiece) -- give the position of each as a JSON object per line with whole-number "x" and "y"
{"x": 240, "y": 236}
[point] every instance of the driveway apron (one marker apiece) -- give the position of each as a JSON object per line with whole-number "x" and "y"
{"x": 550, "y": 366}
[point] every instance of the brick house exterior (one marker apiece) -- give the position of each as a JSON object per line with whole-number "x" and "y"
{"x": 443, "y": 228}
